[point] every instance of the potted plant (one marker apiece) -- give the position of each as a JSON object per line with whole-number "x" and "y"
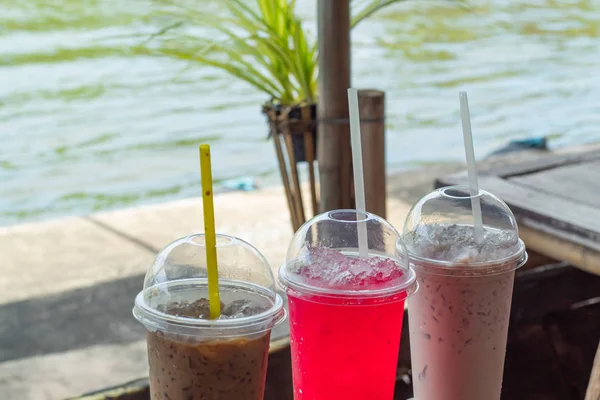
{"x": 263, "y": 44}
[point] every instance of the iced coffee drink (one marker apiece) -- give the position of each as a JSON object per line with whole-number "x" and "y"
{"x": 191, "y": 356}
{"x": 459, "y": 315}
{"x": 228, "y": 369}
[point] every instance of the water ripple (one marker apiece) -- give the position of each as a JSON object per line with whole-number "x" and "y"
{"x": 90, "y": 122}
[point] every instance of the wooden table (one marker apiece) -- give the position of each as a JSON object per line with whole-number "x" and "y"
{"x": 556, "y": 201}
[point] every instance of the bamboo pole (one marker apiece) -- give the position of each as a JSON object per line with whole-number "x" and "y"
{"x": 286, "y": 181}
{"x": 310, "y": 158}
{"x": 371, "y": 104}
{"x": 334, "y": 80}
{"x": 593, "y": 389}
{"x": 297, "y": 194}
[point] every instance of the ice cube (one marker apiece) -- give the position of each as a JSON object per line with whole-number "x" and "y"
{"x": 240, "y": 308}
{"x": 456, "y": 243}
{"x": 331, "y": 268}
{"x": 199, "y": 309}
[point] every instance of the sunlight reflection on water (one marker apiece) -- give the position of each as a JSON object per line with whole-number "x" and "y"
{"x": 88, "y": 125}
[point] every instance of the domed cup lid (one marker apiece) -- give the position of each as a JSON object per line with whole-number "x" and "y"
{"x": 324, "y": 260}
{"x": 439, "y": 230}
{"x": 175, "y": 293}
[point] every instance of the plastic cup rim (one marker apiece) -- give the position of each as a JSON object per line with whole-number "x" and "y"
{"x": 519, "y": 258}
{"x": 148, "y": 315}
{"x": 466, "y": 188}
{"x": 228, "y": 239}
{"x": 408, "y": 286}
{"x": 362, "y": 216}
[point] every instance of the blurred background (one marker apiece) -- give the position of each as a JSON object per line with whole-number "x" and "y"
{"x": 87, "y": 123}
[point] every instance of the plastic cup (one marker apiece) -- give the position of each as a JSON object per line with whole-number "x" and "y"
{"x": 345, "y": 311}
{"x": 459, "y": 315}
{"x": 191, "y": 356}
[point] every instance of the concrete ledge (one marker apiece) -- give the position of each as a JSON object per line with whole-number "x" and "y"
{"x": 57, "y": 376}
{"x": 63, "y": 254}
{"x": 260, "y": 217}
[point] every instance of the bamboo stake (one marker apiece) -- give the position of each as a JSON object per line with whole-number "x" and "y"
{"x": 334, "y": 80}
{"x": 285, "y": 178}
{"x": 287, "y": 135}
{"x": 372, "y": 110}
{"x": 309, "y": 147}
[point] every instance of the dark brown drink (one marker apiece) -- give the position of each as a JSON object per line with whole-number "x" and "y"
{"x": 191, "y": 355}
{"x": 222, "y": 369}
{"x": 228, "y": 368}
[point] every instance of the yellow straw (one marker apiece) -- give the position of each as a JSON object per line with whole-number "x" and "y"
{"x": 209, "y": 232}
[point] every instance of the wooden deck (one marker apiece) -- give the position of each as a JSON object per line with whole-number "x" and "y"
{"x": 556, "y": 201}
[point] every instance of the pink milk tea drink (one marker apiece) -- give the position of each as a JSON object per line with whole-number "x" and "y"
{"x": 459, "y": 315}
{"x": 346, "y": 306}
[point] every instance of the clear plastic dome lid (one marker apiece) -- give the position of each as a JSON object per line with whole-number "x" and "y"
{"x": 176, "y": 286}
{"x": 324, "y": 258}
{"x": 440, "y": 228}
{"x": 185, "y": 258}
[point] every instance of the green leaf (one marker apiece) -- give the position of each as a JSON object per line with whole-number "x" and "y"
{"x": 369, "y": 9}
{"x": 263, "y": 44}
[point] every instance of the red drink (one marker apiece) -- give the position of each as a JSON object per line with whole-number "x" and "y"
{"x": 346, "y": 306}
{"x": 344, "y": 352}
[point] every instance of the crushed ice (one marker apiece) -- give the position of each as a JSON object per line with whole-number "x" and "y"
{"x": 200, "y": 309}
{"x": 334, "y": 269}
{"x": 456, "y": 243}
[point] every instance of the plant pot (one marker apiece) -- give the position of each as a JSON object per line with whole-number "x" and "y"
{"x": 282, "y": 118}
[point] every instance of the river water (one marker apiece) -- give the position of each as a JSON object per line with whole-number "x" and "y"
{"x": 86, "y": 124}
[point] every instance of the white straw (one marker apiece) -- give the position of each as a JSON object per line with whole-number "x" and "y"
{"x": 359, "y": 182}
{"x": 472, "y": 171}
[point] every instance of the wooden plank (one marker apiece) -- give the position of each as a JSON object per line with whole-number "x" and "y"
{"x": 593, "y": 389}
{"x": 508, "y": 169}
{"x": 531, "y": 370}
{"x": 578, "y": 220}
{"x": 553, "y": 245}
{"x": 547, "y": 289}
{"x": 580, "y": 183}
{"x": 542, "y": 164}
{"x": 549, "y": 227}
{"x": 574, "y": 334}
{"x": 559, "y": 213}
